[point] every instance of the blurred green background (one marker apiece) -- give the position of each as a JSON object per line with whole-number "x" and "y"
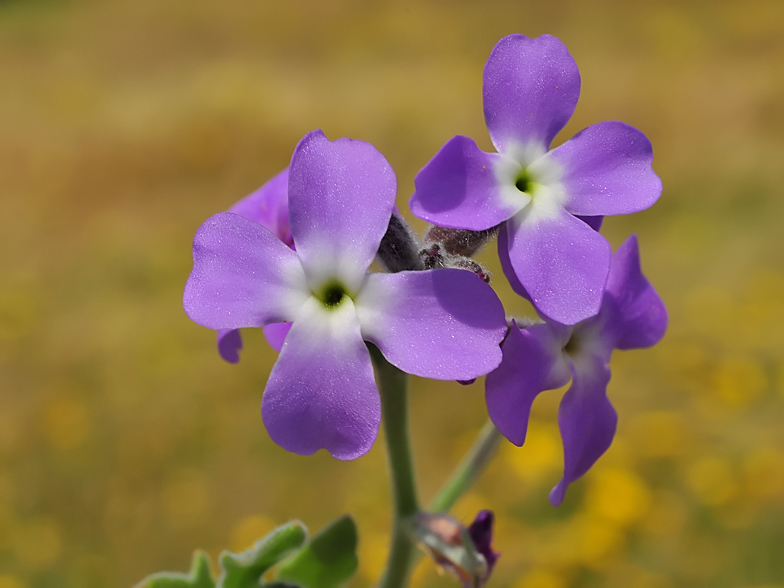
{"x": 125, "y": 442}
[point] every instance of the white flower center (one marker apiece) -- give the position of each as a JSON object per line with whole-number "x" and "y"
{"x": 531, "y": 182}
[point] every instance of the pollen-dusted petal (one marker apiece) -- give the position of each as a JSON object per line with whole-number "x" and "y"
{"x": 321, "y": 393}
{"x": 531, "y": 87}
{"x": 459, "y": 188}
{"x": 607, "y": 170}
{"x": 640, "y": 315}
{"x": 269, "y": 206}
{"x": 587, "y": 421}
{"x": 532, "y": 363}
{"x": 341, "y": 196}
{"x": 275, "y": 334}
{"x": 561, "y": 263}
{"x": 230, "y": 344}
{"x": 243, "y": 276}
{"x": 444, "y": 324}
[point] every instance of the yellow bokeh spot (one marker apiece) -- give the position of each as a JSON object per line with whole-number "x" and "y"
{"x": 618, "y": 496}
{"x": 541, "y": 579}
{"x": 659, "y": 433}
{"x": 752, "y": 20}
{"x": 422, "y": 576}
{"x": 469, "y": 506}
{"x": 7, "y": 581}
{"x": 373, "y": 550}
{"x": 764, "y": 472}
{"x": 650, "y": 580}
{"x": 709, "y": 310}
{"x": 539, "y": 456}
{"x": 17, "y": 314}
{"x": 66, "y": 423}
{"x": 712, "y": 481}
{"x": 676, "y": 36}
{"x": 595, "y": 540}
{"x": 739, "y": 381}
{"x": 37, "y": 543}
{"x": 248, "y": 531}
{"x": 9, "y": 433}
{"x": 667, "y": 515}
{"x": 186, "y": 499}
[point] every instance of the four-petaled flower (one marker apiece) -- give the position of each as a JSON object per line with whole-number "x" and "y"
{"x": 442, "y": 323}
{"x": 545, "y": 200}
{"x": 547, "y": 355}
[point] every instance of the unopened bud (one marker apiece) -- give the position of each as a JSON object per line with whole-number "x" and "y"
{"x": 433, "y": 256}
{"x": 399, "y": 249}
{"x": 465, "y": 552}
{"x": 460, "y": 241}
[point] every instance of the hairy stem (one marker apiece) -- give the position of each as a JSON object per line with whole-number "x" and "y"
{"x": 469, "y": 469}
{"x": 394, "y": 410}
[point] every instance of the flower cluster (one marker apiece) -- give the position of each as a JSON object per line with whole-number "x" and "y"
{"x": 295, "y": 258}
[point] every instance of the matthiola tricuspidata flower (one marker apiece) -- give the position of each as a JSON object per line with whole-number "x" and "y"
{"x": 442, "y": 323}
{"x": 547, "y": 355}
{"x": 268, "y": 206}
{"x": 545, "y": 201}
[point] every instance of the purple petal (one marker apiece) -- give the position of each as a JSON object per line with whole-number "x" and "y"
{"x": 641, "y": 315}
{"x": 595, "y": 222}
{"x": 321, "y": 393}
{"x": 229, "y": 344}
{"x": 531, "y": 88}
{"x": 269, "y": 206}
{"x": 506, "y": 263}
{"x": 587, "y": 421}
{"x": 243, "y": 276}
{"x": 275, "y": 334}
{"x": 458, "y": 188}
{"x": 445, "y": 324}
{"x": 561, "y": 263}
{"x": 341, "y": 196}
{"x": 607, "y": 170}
{"x": 532, "y": 362}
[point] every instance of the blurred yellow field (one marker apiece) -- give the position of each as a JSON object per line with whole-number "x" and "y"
{"x": 126, "y": 442}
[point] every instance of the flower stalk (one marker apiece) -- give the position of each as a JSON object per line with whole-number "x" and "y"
{"x": 393, "y": 386}
{"x": 469, "y": 469}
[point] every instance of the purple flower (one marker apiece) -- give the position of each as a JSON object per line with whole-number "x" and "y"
{"x": 553, "y": 257}
{"x": 443, "y": 323}
{"x": 268, "y": 206}
{"x": 547, "y": 355}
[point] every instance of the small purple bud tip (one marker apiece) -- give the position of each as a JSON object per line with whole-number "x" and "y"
{"x": 481, "y": 533}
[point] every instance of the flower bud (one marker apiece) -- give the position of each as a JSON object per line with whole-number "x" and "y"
{"x": 399, "y": 249}
{"x": 465, "y": 552}
{"x": 460, "y": 241}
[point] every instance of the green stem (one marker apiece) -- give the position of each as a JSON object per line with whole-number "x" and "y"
{"x": 394, "y": 410}
{"x": 472, "y": 466}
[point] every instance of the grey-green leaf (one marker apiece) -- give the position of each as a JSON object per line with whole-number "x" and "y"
{"x": 328, "y": 561}
{"x": 199, "y": 576}
{"x": 244, "y": 570}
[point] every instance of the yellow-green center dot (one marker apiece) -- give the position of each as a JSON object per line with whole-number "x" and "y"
{"x": 332, "y": 295}
{"x": 523, "y": 182}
